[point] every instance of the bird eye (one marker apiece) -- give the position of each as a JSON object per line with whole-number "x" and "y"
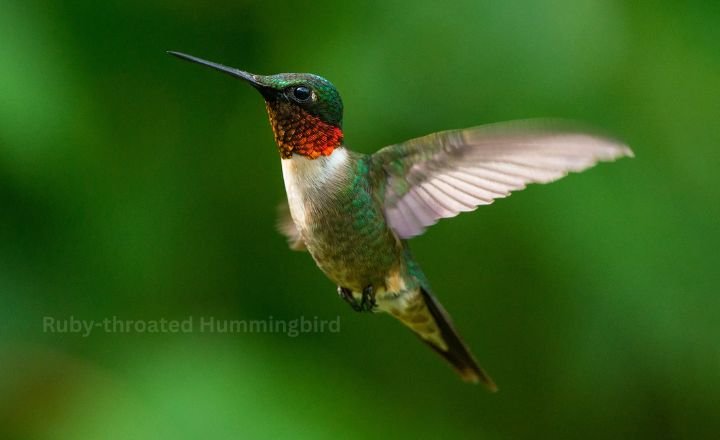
{"x": 301, "y": 93}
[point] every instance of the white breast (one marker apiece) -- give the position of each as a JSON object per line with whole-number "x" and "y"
{"x": 306, "y": 179}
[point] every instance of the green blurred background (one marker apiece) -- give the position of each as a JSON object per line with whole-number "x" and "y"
{"x": 138, "y": 186}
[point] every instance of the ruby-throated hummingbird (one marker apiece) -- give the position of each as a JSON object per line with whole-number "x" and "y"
{"x": 355, "y": 212}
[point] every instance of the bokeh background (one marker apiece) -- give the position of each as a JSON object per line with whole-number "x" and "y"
{"x": 137, "y": 186}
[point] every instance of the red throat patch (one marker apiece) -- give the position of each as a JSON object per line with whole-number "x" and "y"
{"x": 298, "y": 132}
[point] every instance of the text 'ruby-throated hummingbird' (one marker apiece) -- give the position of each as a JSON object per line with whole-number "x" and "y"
{"x": 355, "y": 212}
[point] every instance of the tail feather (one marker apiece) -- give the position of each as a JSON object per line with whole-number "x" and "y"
{"x": 432, "y": 324}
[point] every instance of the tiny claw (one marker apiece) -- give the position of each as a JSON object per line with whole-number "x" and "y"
{"x": 368, "y": 303}
{"x": 347, "y": 296}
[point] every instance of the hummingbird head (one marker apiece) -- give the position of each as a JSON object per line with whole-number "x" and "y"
{"x": 305, "y": 110}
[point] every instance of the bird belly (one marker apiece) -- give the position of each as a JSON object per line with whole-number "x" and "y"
{"x": 349, "y": 259}
{"x": 342, "y": 225}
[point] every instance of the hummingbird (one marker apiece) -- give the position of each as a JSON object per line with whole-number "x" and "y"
{"x": 354, "y": 213}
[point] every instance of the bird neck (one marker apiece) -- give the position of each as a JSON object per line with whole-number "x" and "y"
{"x": 299, "y": 132}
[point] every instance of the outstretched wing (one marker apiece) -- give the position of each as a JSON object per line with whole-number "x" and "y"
{"x": 442, "y": 174}
{"x": 286, "y": 226}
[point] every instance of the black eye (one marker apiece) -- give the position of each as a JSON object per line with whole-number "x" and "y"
{"x": 301, "y": 93}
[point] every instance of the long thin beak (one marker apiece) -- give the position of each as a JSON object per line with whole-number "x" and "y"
{"x": 255, "y": 80}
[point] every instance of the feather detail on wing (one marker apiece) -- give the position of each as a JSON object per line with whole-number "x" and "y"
{"x": 443, "y": 174}
{"x": 286, "y": 226}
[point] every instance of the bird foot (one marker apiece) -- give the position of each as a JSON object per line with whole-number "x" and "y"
{"x": 367, "y": 302}
{"x": 347, "y": 296}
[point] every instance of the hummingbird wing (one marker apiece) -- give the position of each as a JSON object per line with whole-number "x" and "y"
{"x": 286, "y": 226}
{"x": 443, "y": 174}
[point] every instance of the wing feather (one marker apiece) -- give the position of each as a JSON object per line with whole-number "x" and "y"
{"x": 286, "y": 226}
{"x": 442, "y": 174}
